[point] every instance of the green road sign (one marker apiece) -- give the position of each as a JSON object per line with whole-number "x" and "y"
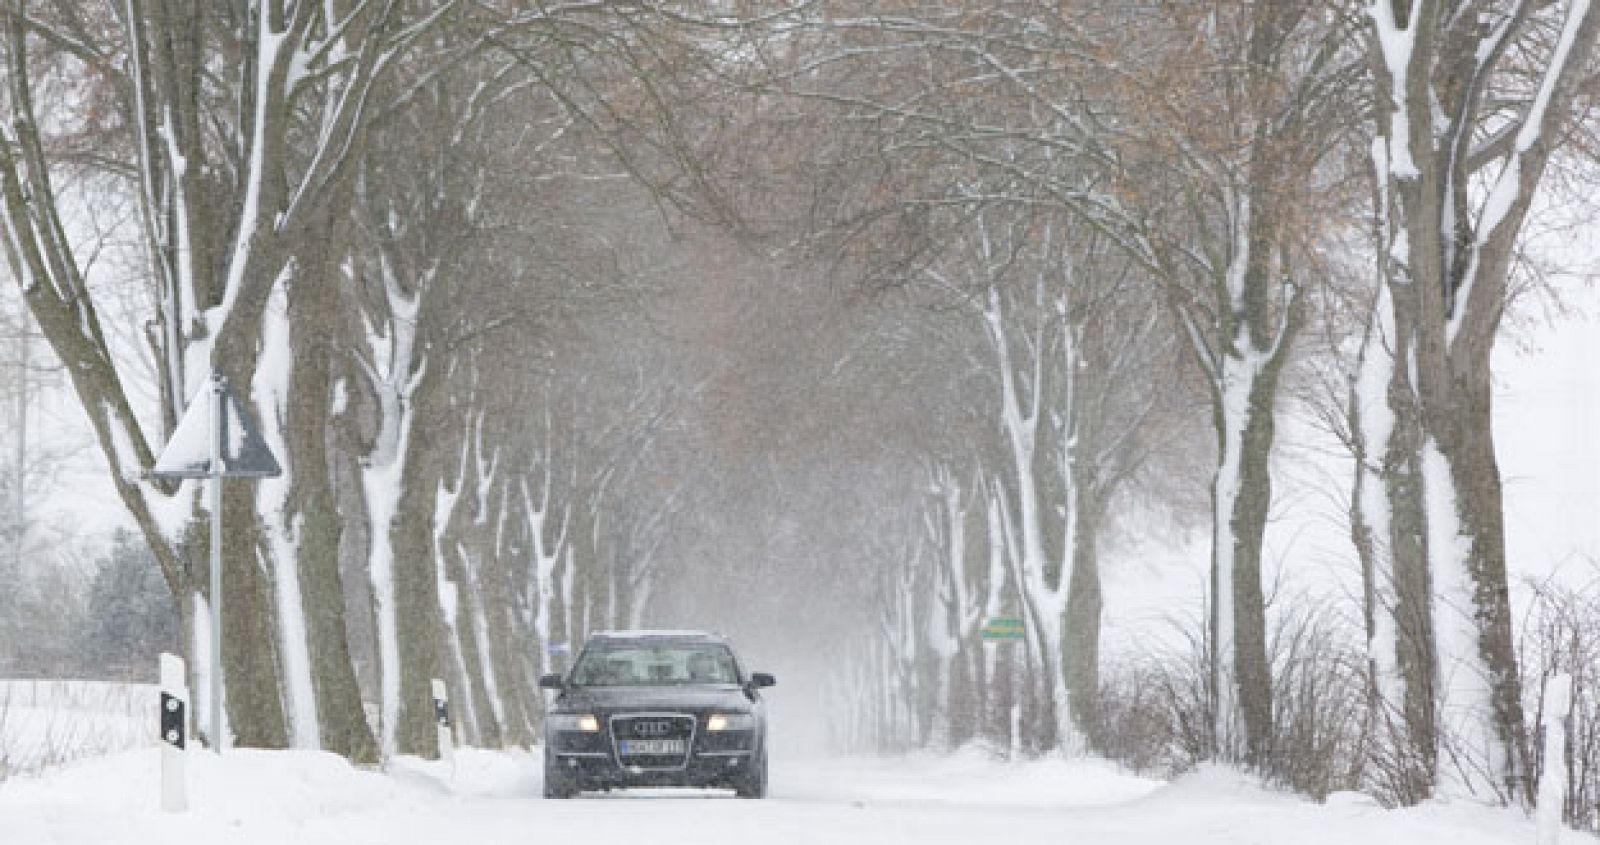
{"x": 1001, "y": 628}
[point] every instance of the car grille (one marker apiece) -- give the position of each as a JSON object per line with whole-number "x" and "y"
{"x": 653, "y": 727}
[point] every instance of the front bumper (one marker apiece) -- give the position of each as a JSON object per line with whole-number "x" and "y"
{"x": 604, "y": 772}
{"x": 592, "y": 761}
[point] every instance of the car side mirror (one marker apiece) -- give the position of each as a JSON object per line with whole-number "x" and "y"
{"x": 760, "y": 680}
{"x": 552, "y": 682}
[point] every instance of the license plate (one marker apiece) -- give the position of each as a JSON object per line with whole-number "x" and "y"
{"x": 650, "y": 746}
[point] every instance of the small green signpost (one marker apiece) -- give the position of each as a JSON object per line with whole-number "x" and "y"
{"x": 1002, "y": 629}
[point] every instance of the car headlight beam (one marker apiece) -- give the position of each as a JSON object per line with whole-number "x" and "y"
{"x": 730, "y": 722}
{"x": 584, "y": 722}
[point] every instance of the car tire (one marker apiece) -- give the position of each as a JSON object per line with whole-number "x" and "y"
{"x": 754, "y": 784}
{"x": 559, "y": 791}
{"x": 556, "y": 786}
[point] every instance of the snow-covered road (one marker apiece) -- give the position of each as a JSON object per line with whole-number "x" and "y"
{"x": 485, "y": 798}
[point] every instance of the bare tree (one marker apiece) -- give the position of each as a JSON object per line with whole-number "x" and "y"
{"x": 1215, "y": 205}
{"x": 1472, "y": 101}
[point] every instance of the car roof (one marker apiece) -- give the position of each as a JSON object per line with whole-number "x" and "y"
{"x": 657, "y": 636}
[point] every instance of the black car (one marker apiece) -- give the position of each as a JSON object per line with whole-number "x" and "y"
{"x": 656, "y": 708}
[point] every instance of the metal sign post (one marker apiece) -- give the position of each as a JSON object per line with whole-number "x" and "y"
{"x": 1008, "y": 629}
{"x": 173, "y": 722}
{"x": 216, "y": 439}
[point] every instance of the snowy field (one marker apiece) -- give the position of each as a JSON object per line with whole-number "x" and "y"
{"x": 307, "y": 798}
{"x": 45, "y": 723}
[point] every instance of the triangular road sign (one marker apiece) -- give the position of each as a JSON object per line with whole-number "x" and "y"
{"x": 244, "y": 451}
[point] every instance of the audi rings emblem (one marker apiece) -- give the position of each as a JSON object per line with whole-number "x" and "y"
{"x": 659, "y": 727}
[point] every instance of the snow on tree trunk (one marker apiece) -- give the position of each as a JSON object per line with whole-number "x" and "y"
{"x": 547, "y": 554}
{"x": 1553, "y": 778}
{"x": 1471, "y": 755}
{"x": 1372, "y": 423}
{"x": 1388, "y": 526}
{"x": 1241, "y": 496}
{"x": 456, "y": 543}
{"x": 407, "y": 487}
{"x": 954, "y": 614}
{"x": 569, "y": 584}
{"x": 42, "y": 263}
{"x": 464, "y": 644}
{"x": 272, "y": 387}
{"x": 383, "y": 478}
{"x": 1458, "y": 166}
{"x": 1227, "y": 713}
{"x": 238, "y": 129}
{"x": 464, "y": 701}
{"x": 1023, "y": 393}
{"x": 504, "y": 640}
{"x": 382, "y": 482}
{"x": 997, "y": 696}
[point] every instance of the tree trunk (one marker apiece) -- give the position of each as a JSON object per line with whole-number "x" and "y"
{"x": 1250, "y": 613}
{"x": 1080, "y": 647}
{"x": 965, "y": 704}
{"x": 1402, "y": 485}
{"x": 504, "y": 645}
{"x": 253, "y": 693}
{"x": 310, "y": 512}
{"x": 255, "y": 667}
{"x": 1449, "y": 221}
{"x": 1388, "y": 529}
{"x": 420, "y": 631}
{"x": 1472, "y": 605}
{"x": 420, "y": 628}
{"x": 476, "y": 664}
{"x": 1242, "y": 495}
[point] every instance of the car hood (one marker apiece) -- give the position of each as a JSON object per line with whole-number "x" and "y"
{"x": 614, "y": 699}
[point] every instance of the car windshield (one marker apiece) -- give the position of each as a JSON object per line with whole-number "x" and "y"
{"x": 650, "y": 665}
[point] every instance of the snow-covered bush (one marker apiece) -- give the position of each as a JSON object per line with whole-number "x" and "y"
{"x": 47, "y": 723}
{"x": 1156, "y": 709}
{"x": 1153, "y": 714}
{"x": 1561, "y": 634}
{"x": 1319, "y": 701}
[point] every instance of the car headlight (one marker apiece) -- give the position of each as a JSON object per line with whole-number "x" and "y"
{"x": 731, "y": 722}
{"x": 584, "y": 722}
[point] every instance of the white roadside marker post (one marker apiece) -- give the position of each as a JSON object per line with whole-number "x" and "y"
{"x": 441, "y": 718}
{"x": 174, "y": 725}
